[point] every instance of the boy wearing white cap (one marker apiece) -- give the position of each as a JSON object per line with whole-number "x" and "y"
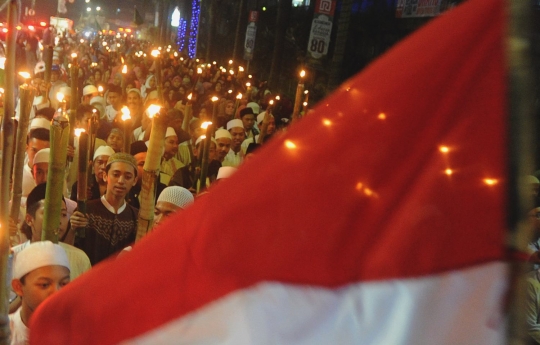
{"x": 89, "y": 92}
{"x": 170, "y": 164}
{"x": 235, "y": 156}
{"x": 39, "y": 270}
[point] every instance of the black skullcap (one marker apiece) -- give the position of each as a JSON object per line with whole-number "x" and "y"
{"x": 114, "y": 88}
{"x": 252, "y": 147}
{"x": 36, "y": 195}
{"x": 138, "y": 147}
{"x": 246, "y": 111}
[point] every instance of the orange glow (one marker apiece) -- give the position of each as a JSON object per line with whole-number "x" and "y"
{"x": 205, "y": 124}
{"x": 126, "y": 115}
{"x": 327, "y": 122}
{"x": 189, "y": 96}
{"x": 25, "y": 75}
{"x": 128, "y": 30}
{"x": 42, "y": 23}
{"x": 78, "y": 131}
{"x": 124, "y": 69}
{"x": 153, "y": 109}
{"x": 490, "y": 181}
{"x": 290, "y": 145}
{"x": 100, "y": 88}
{"x": 239, "y": 96}
{"x": 215, "y": 99}
{"x": 444, "y": 149}
{"x": 448, "y": 172}
{"x": 382, "y": 116}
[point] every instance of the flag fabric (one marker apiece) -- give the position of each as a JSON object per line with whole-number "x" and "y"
{"x": 377, "y": 219}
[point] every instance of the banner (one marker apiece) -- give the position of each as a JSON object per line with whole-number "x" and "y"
{"x": 251, "y": 33}
{"x": 422, "y": 8}
{"x": 321, "y": 29}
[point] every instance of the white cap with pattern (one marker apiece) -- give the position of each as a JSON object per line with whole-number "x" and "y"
{"x": 223, "y": 133}
{"x": 177, "y": 195}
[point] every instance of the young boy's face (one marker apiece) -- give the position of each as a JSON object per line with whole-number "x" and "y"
{"x": 36, "y": 223}
{"x": 40, "y": 284}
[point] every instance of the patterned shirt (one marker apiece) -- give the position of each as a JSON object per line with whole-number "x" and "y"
{"x": 108, "y": 232}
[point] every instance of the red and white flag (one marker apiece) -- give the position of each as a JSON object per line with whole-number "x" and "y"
{"x": 378, "y": 219}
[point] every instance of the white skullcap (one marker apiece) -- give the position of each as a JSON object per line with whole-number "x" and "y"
{"x": 103, "y": 151}
{"x": 177, "y": 195}
{"x": 223, "y": 133}
{"x": 99, "y": 103}
{"x": 234, "y": 123}
{"x": 170, "y": 132}
{"x": 66, "y": 90}
{"x": 42, "y": 156}
{"x": 89, "y": 89}
{"x": 254, "y": 106}
{"x": 40, "y": 122}
{"x": 136, "y": 91}
{"x": 225, "y": 172}
{"x": 260, "y": 117}
{"x": 36, "y": 255}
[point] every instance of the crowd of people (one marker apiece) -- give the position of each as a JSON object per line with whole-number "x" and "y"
{"x": 114, "y": 73}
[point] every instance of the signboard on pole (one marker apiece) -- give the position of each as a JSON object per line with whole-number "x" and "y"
{"x": 321, "y": 29}
{"x": 251, "y": 33}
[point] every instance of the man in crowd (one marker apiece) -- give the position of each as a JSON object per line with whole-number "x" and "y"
{"x": 38, "y": 139}
{"x": 223, "y": 144}
{"x": 110, "y": 223}
{"x": 185, "y": 149}
{"x": 97, "y": 186}
{"x": 235, "y": 156}
{"x": 172, "y": 200}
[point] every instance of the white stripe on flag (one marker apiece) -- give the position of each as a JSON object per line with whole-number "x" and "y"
{"x": 458, "y": 307}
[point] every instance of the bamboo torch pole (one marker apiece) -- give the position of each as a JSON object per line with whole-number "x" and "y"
{"x": 151, "y": 170}
{"x": 74, "y": 88}
{"x": 521, "y": 123}
{"x": 5, "y": 173}
{"x": 159, "y": 86}
{"x": 207, "y": 142}
{"x": 128, "y": 128}
{"x": 26, "y": 94}
{"x": 55, "y": 179}
{"x": 188, "y": 114}
{"x": 298, "y": 98}
{"x": 82, "y": 175}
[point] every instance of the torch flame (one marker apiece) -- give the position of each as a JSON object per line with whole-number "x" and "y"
{"x": 214, "y": 99}
{"x": 153, "y": 109}
{"x": 73, "y": 55}
{"x": 302, "y": 74}
{"x": 306, "y": 92}
{"x": 230, "y": 62}
{"x": 24, "y": 74}
{"x": 240, "y": 69}
{"x": 60, "y": 96}
{"x": 155, "y": 53}
{"x": 126, "y": 115}
{"x": 189, "y": 96}
{"x": 124, "y": 69}
{"x": 2, "y": 62}
{"x": 271, "y": 102}
{"x": 100, "y": 89}
{"x": 78, "y": 131}
{"x": 239, "y": 96}
{"x": 205, "y": 124}
{"x": 199, "y": 70}
{"x": 278, "y": 98}
{"x": 248, "y": 84}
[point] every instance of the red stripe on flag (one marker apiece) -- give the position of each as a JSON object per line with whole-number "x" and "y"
{"x": 358, "y": 191}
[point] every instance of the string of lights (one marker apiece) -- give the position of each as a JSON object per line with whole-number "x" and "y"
{"x": 181, "y": 35}
{"x": 194, "y": 27}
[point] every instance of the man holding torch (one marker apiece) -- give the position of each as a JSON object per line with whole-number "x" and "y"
{"x": 110, "y": 223}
